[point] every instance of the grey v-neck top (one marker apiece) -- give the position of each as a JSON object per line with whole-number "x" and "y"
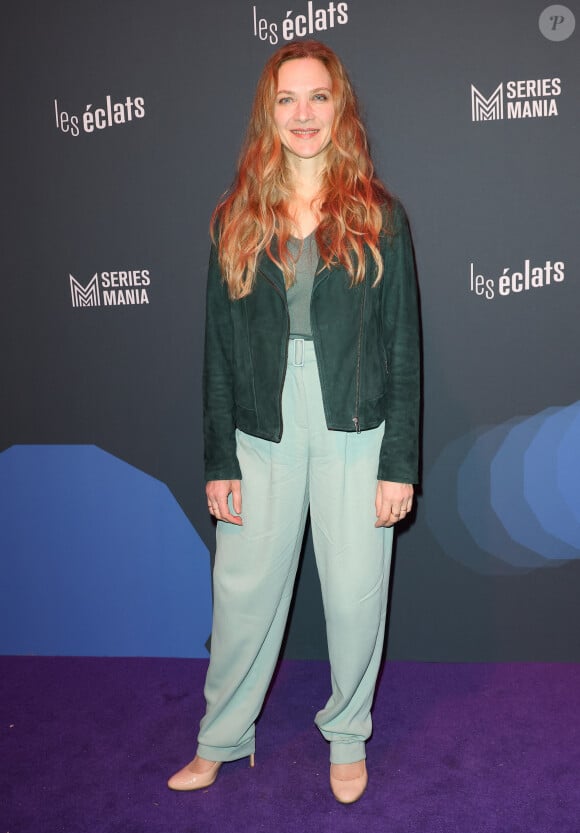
{"x": 298, "y": 295}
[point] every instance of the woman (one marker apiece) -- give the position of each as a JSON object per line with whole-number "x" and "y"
{"x": 311, "y": 399}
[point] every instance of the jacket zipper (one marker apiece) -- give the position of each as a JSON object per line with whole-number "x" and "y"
{"x": 355, "y": 418}
{"x": 284, "y": 301}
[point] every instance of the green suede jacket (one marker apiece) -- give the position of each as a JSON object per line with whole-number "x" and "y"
{"x": 367, "y": 348}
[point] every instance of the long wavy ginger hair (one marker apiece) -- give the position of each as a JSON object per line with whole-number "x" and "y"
{"x": 352, "y": 201}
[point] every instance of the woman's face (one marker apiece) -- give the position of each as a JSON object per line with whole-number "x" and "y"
{"x": 304, "y": 108}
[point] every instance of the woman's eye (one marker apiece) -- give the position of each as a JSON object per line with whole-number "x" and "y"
{"x": 285, "y": 100}
{"x": 320, "y": 97}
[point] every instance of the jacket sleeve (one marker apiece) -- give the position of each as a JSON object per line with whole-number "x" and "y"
{"x": 399, "y": 457}
{"x": 221, "y": 462}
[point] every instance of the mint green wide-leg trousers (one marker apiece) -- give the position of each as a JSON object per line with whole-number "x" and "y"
{"x": 335, "y": 473}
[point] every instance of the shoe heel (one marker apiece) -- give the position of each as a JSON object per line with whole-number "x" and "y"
{"x": 252, "y": 760}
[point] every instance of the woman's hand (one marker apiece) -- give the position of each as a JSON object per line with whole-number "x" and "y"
{"x": 217, "y": 492}
{"x": 393, "y": 502}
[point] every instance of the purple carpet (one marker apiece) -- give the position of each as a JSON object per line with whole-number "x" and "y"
{"x": 87, "y": 745}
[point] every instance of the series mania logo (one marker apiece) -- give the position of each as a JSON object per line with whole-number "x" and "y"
{"x": 112, "y": 289}
{"x": 536, "y": 98}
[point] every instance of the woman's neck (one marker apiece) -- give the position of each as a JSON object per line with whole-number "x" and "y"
{"x": 306, "y": 174}
{"x": 303, "y": 205}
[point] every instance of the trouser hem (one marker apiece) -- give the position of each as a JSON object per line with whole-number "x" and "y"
{"x": 347, "y": 753}
{"x": 223, "y": 754}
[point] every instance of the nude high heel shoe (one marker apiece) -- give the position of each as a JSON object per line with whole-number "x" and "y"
{"x": 348, "y": 781}
{"x": 197, "y": 775}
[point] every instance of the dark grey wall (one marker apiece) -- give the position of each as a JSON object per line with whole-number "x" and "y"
{"x": 489, "y": 566}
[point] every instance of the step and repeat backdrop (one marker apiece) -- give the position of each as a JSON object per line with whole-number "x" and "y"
{"x": 122, "y": 125}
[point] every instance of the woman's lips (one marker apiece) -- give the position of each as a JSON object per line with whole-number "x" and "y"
{"x": 306, "y": 133}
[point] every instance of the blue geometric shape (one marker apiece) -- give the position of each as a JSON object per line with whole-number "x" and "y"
{"x": 474, "y": 501}
{"x": 508, "y": 492}
{"x": 569, "y": 466}
{"x": 542, "y": 483}
{"x": 98, "y": 559}
{"x": 507, "y": 498}
{"x": 441, "y": 507}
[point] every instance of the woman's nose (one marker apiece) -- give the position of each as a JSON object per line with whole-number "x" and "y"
{"x": 303, "y": 109}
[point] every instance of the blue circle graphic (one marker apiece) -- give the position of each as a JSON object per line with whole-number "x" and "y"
{"x": 516, "y": 489}
{"x": 550, "y": 496}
